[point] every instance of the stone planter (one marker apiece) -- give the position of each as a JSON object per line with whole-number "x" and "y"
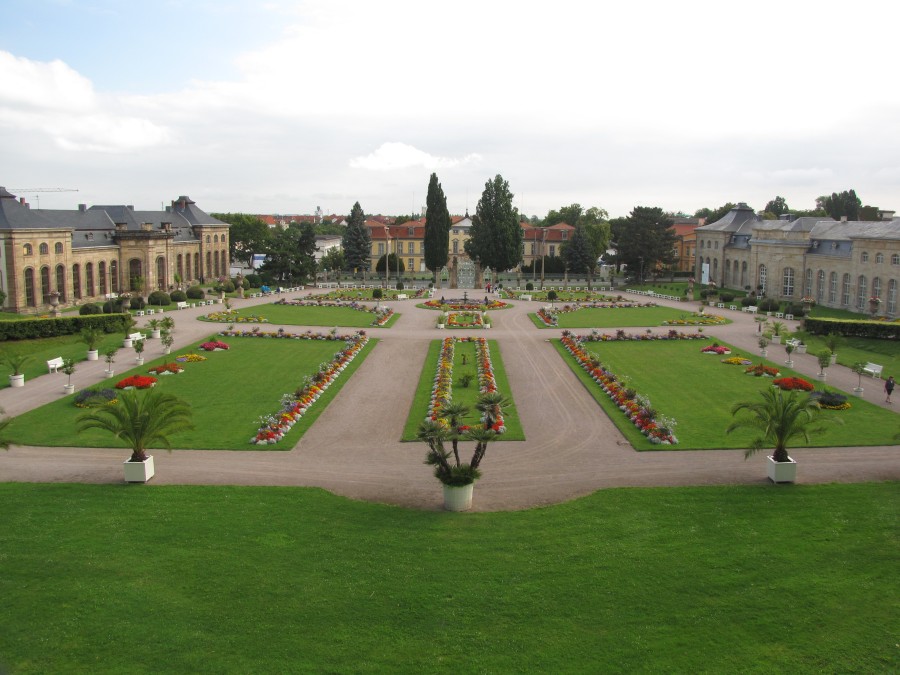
{"x": 776, "y": 339}
{"x": 139, "y": 472}
{"x": 801, "y": 349}
{"x": 781, "y": 472}
{"x": 833, "y": 359}
{"x": 154, "y": 334}
{"x": 68, "y": 389}
{"x": 93, "y": 355}
{"x": 140, "y": 360}
{"x": 458, "y": 498}
{"x": 821, "y": 376}
{"x": 17, "y": 380}
{"x": 858, "y": 391}
{"x": 126, "y": 343}
{"x": 109, "y": 373}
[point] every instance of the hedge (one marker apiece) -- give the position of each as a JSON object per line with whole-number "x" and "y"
{"x": 29, "y": 329}
{"x": 879, "y": 330}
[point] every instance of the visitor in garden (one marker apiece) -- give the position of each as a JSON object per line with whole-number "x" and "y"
{"x": 889, "y": 389}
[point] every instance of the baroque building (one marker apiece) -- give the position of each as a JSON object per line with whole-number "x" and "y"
{"x": 91, "y": 254}
{"x": 838, "y": 264}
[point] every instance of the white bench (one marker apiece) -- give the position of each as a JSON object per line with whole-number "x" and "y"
{"x": 137, "y": 336}
{"x": 182, "y": 305}
{"x": 873, "y": 369}
{"x": 779, "y": 315}
{"x": 750, "y": 309}
{"x": 402, "y": 296}
{"x": 732, "y": 307}
{"x": 53, "y": 365}
{"x": 789, "y": 317}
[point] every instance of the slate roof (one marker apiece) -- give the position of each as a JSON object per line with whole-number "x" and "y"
{"x": 740, "y": 219}
{"x": 836, "y": 231}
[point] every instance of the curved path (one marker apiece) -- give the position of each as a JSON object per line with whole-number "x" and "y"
{"x": 572, "y": 448}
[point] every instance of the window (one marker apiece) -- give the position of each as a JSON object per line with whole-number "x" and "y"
{"x": 807, "y": 287}
{"x": 380, "y": 248}
{"x": 455, "y": 230}
{"x": 862, "y": 287}
{"x": 727, "y": 272}
{"x": 134, "y": 272}
{"x": 864, "y": 257}
{"x": 89, "y": 279}
{"x": 532, "y": 248}
{"x": 552, "y": 251}
{"x": 30, "y": 299}
{"x": 820, "y": 286}
{"x": 762, "y": 278}
{"x": 565, "y": 235}
{"x": 28, "y": 249}
{"x": 208, "y": 264}
{"x": 410, "y": 265}
{"x": 701, "y": 244}
{"x": 879, "y": 258}
{"x": 876, "y": 287}
{"x": 215, "y": 264}
{"x": 832, "y": 288}
{"x": 196, "y": 266}
{"x": 410, "y": 232}
{"x": 892, "y": 297}
{"x": 45, "y": 285}
{"x": 787, "y": 282}
{"x": 743, "y": 274}
{"x": 845, "y": 290}
{"x": 455, "y": 246}
{"x": 207, "y": 239}
{"x": 161, "y": 273}
{"x": 422, "y": 247}
{"x": 76, "y": 281}
{"x": 43, "y": 249}
{"x": 715, "y": 269}
{"x": 717, "y": 245}
{"x": 215, "y": 239}
{"x": 895, "y": 259}
{"x": 411, "y": 247}
{"x": 179, "y": 266}
{"x": 58, "y": 248}
{"x": 101, "y": 273}
{"x": 61, "y": 282}
{"x": 113, "y": 277}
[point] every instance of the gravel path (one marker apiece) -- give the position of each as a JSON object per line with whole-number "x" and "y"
{"x": 572, "y": 448}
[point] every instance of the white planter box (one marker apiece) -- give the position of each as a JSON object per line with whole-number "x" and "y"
{"x": 458, "y": 498}
{"x": 17, "y": 380}
{"x": 92, "y": 355}
{"x": 139, "y": 472}
{"x": 781, "y": 472}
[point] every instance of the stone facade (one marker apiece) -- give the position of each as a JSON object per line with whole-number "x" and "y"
{"x": 838, "y": 264}
{"x": 93, "y": 253}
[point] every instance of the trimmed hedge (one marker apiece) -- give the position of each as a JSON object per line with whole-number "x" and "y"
{"x": 178, "y": 296}
{"x": 195, "y": 293}
{"x": 30, "y": 329}
{"x": 879, "y": 330}
{"x": 159, "y": 299}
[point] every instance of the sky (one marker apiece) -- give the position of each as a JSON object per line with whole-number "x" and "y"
{"x": 285, "y": 106}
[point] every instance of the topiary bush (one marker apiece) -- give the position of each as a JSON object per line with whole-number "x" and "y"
{"x": 376, "y": 293}
{"x": 253, "y": 281}
{"x": 195, "y": 293}
{"x": 726, "y": 297}
{"x": 552, "y": 295}
{"x": 159, "y": 299}
{"x": 796, "y": 310}
{"x": 399, "y": 285}
{"x": 228, "y": 286}
{"x": 769, "y": 305}
{"x": 178, "y": 296}
{"x": 529, "y": 286}
{"x": 138, "y": 303}
{"x": 90, "y": 308}
{"x": 747, "y": 301}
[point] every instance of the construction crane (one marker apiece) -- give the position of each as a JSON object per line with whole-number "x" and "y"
{"x": 36, "y": 190}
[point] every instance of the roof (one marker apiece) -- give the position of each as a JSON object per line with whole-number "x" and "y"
{"x": 833, "y": 230}
{"x": 740, "y": 218}
{"x": 15, "y": 214}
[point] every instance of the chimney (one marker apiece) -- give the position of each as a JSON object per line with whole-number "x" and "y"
{"x": 82, "y": 207}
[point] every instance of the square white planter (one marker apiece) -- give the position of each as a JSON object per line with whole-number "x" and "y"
{"x": 139, "y": 472}
{"x": 781, "y": 472}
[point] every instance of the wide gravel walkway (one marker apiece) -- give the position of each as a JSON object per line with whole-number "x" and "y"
{"x": 572, "y": 448}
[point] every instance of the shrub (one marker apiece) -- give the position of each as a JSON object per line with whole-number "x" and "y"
{"x": 253, "y": 281}
{"x": 228, "y": 286}
{"x": 726, "y": 297}
{"x": 376, "y": 293}
{"x": 796, "y": 310}
{"x": 137, "y": 303}
{"x": 178, "y": 296}
{"x": 53, "y": 327}
{"x": 552, "y": 295}
{"x": 704, "y": 294}
{"x": 529, "y": 286}
{"x": 195, "y": 293}
{"x": 90, "y": 308}
{"x": 746, "y": 301}
{"x": 769, "y": 305}
{"x": 159, "y": 299}
{"x": 399, "y": 285}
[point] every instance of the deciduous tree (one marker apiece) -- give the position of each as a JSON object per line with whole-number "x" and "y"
{"x": 247, "y": 235}
{"x": 843, "y": 204}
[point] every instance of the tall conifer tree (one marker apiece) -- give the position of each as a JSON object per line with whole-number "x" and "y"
{"x": 437, "y": 227}
{"x": 356, "y": 242}
{"x": 496, "y": 239}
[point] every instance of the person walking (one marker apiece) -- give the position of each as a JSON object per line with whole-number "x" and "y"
{"x": 889, "y": 389}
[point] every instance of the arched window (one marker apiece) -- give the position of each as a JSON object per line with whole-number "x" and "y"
{"x": 28, "y": 249}
{"x": 862, "y": 289}
{"x": 207, "y": 239}
{"x": 44, "y": 249}
{"x": 134, "y": 273}
{"x": 197, "y": 266}
{"x": 763, "y": 273}
{"x": 743, "y": 274}
{"x": 895, "y": 259}
{"x": 701, "y": 244}
{"x": 879, "y": 258}
{"x": 787, "y": 282}
{"x": 179, "y": 266}
{"x": 45, "y": 285}
{"x": 216, "y": 263}
{"x": 30, "y": 299}
{"x": 807, "y": 289}
{"x": 845, "y": 290}
{"x": 864, "y": 256}
{"x": 208, "y": 264}
{"x": 215, "y": 239}
{"x": 58, "y": 248}
{"x": 113, "y": 276}
{"x": 224, "y": 256}
{"x": 101, "y": 272}
{"x": 727, "y": 279}
{"x": 820, "y": 286}
{"x": 892, "y": 297}
{"x": 89, "y": 279}
{"x": 715, "y": 269}
{"x": 61, "y": 282}
{"x": 76, "y": 281}
{"x": 161, "y": 273}
{"x": 876, "y": 288}
{"x": 832, "y": 288}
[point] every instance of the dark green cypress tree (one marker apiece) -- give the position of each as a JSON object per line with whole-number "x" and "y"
{"x": 495, "y": 238}
{"x": 357, "y": 242}
{"x": 437, "y": 227}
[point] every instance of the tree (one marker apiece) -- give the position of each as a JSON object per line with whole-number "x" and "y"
{"x": 566, "y": 214}
{"x": 777, "y": 207}
{"x": 141, "y": 419}
{"x": 712, "y": 215}
{"x": 584, "y": 249}
{"x": 841, "y": 205}
{"x": 646, "y": 239}
{"x": 391, "y": 263}
{"x": 291, "y": 252}
{"x": 866, "y": 213}
{"x": 437, "y": 227}
{"x": 778, "y": 419}
{"x": 357, "y": 242}
{"x": 495, "y": 238}
{"x": 332, "y": 260}
{"x": 247, "y": 235}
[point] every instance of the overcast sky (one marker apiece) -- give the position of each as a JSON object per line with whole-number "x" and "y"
{"x": 280, "y": 107}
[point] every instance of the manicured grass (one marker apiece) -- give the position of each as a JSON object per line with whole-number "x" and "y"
{"x": 698, "y": 390}
{"x": 251, "y": 376}
{"x": 422, "y": 398}
{"x": 620, "y": 317}
{"x": 290, "y": 315}
{"x": 181, "y": 579}
{"x": 853, "y": 349}
{"x": 44, "y": 349}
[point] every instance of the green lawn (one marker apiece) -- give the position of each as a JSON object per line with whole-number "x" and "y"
{"x": 252, "y": 375}
{"x": 289, "y": 315}
{"x": 181, "y": 579}
{"x": 422, "y": 398}
{"x": 44, "y": 349}
{"x": 620, "y": 317}
{"x": 853, "y": 349}
{"x": 698, "y": 390}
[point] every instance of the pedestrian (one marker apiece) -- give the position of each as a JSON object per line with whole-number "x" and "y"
{"x": 889, "y": 389}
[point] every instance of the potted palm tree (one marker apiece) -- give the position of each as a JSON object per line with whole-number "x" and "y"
{"x": 68, "y": 367}
{"x": 780, "y": 418}
{"x": 92, "y": 336}
{"x": 110, "y": 357}
{"x": 833, "y": 341}
{"x": 777, "y": 329}
{"x": 141, "y": 419}
{"x": 154, "y": 326}
{"x": 16, "y": 361}
{"x": 128, "y": 324}
{"x": 457, "y": 477}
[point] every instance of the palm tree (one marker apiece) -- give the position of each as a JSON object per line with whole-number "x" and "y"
{"x": 779, "y": 419}
{"x": 141, "y": 420}
{"x": 434, "y": 435}
{"x": 455, "y": 413}
{"x": 491, "y": 405}
{"x": 481, "y": 437}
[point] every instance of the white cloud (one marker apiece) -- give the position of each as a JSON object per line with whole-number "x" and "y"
{"x": 391, "y": 156}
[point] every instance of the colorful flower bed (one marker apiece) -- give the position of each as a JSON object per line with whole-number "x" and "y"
{"x": 93, "y": 398}
{"x": 284, "y": 335}
{"x": 464, "y": 305}
{"x": 464, "y": 320}
{"x": 382, "y": 316}
{"x": 793, "y": 384}
{"x": 190, "y": 358}
{"x": 137, "y": 382}
{"x": 697, "y": 319}
{"x": 442, "y": 389}
{"x": 167, "y": 369}
{"x": 715, "y": 349}
{"x": 214, "y": 346}
{"x": 760, "y": 370}
{"x": 830, "y": 400}
{"x": 672, "y": 334}
{"x": 657, "y": 428}
{"x": 549, "y": 317}
{"x": 232, "y": 316}
{"x": 272, "y": 428}
{"x": 738, "y": 361}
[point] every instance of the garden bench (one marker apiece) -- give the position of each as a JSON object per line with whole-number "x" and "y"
{"x": 137, "y": 337}
{"x": 794, "y": 342}
{"x": 779, "y": 315}
{"x": 750, "y": 309}
{"x": 140, "y": 312}
{"x": 526, "y": 297}
{"x": 873, "y": 369}
{"x": 733, "y": 308}
{"x": 789, "y": 317}
{"x": 182, "y": 305}
{"x": 53, "y": 365}
{"x": 720, "y": 305}
{"x": 150, "y": 312}
{"x": 402, "y": 296}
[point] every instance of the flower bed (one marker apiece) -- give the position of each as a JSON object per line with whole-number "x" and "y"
{"x": 738, "y": 361}
{"x": 272, "y": 428}
{"x": 672, "y": 334}
{"x": 715, "y": 349}
{"x": 697, "y": 319}
{"x": 464, "y": 320}
{"x": 793, "y": 384}
{"x": 382, "y": 316}
{"x": 760, "y": 370}
{"x": 549, "y": 317}
{"x": 190, "y": 358}
{"x": 214, "y": 346}
{"x": 167, "y": 369}
{"x": 464, "y": 305}
{"x": 93, "y": 398}
{"x": 284, "y": 335}
{"x": 657, "y": 428}
{"x": 830, "y": 400}
{"x": 137, "y": 382}
{"x": 232, "y": 316}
